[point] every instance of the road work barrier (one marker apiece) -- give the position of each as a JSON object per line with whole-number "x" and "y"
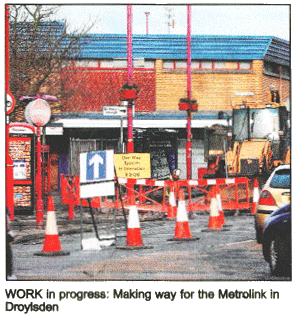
{"x": 70, "y": 192}
{"x": 153, "y": 195}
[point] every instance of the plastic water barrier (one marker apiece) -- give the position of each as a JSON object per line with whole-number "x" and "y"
{"x": 153, "y": 195}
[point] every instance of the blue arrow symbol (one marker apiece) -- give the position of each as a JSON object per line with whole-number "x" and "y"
{"x": 96, "y": 160}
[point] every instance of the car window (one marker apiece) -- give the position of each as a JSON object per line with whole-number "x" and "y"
{"x": 281, "y": 179}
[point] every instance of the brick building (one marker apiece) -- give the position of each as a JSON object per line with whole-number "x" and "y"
{"x": 225, "y": 70}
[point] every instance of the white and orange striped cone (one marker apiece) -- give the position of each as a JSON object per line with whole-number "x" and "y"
{"x": 220, "y": 208}
{"x": 255, "y": 196}
{"x": 182, "y": 229}
{"x": 214, "y": 219}
{"x": 133, "y": 234}
{"x": 52, "y": 245}
{"x": 172, "y": 208}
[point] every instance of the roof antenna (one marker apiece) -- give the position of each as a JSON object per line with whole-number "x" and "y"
{"x": 170, "y": 22}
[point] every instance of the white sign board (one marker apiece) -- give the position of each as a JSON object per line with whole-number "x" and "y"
{"x": 97, "y": 174}
{"x": 115, "y": 111}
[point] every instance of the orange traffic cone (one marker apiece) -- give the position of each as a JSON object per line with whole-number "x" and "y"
{"x": 52, "y": 245}
{"x": 182, "y": 230}
{"x": 133, "y": 235}
{"x": 215, "y": 219}
{"x": 172, "y": 208}
{"x": 220, "y": 208}
{"x": 255, "y": 196}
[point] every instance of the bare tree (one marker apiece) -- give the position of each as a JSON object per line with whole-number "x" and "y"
{"x": 39, "y": 49}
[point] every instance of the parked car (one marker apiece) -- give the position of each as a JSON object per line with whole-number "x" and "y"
{"x": 277, "y": 241}
{"x": 275, "y": 193}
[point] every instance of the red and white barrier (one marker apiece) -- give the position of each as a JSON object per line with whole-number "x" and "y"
{"x": 147, "y": 193}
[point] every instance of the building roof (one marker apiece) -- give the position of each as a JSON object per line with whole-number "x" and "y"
{"x": 203, "y": 47}
{"x": 159, "y": 119}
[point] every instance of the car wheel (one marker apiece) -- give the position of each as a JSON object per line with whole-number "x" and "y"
{"x": 278, "y": 256}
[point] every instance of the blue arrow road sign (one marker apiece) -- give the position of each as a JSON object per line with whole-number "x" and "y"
{"x": 96, "y": 166}
{"x": 97, "y": 174}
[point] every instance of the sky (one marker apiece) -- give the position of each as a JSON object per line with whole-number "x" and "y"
{"x": 206, "y": 19}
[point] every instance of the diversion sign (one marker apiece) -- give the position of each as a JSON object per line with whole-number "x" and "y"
{"x": 133, "y": 165}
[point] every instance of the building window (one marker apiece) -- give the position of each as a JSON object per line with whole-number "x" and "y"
{"x": 208, "y": 65}
{"x": 86, "y": 63}
{"x": 271, "y": 68}
{"x": 205, "y": 65}
{"x": 286, "y": 72}
{"x": 122, "y": 63}
{"x": 226, "y": 65}
{"x": 168, "y": 64}
{"x": 181, "y": 64}
{"x": 245, "y": 65}
{"x": 195, "y": 64}
{"x": 276, "y": 70}
{"x": 119, "y": 63}
{"x": 106, "y": 63}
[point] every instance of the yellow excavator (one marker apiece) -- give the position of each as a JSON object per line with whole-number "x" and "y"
{"x": 258, "y": 141}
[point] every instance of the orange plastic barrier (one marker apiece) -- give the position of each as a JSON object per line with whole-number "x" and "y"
{"x": 153, "y": 195}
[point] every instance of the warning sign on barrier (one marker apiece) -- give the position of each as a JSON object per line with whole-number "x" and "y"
{"x": 133, "y": 165}
{"x": 97, "y": 174}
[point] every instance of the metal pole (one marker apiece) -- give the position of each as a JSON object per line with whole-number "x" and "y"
{"x": 93, "y": 218}
{"x": 39, "y": 203}
{"x": 188, "y": 141}
{"x": 8, "y": 160}
{"x": 130, "y": 142}
{"x": 121, "y": 134}
{"x": 147, "y": 22}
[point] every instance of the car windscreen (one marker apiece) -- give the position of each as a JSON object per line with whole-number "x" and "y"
{"x": 281, "y": 179}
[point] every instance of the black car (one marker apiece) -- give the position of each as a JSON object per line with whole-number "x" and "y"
{"x": 277, "y": 241}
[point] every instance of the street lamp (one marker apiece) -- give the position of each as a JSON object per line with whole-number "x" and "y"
{"x": 38, "y": 112}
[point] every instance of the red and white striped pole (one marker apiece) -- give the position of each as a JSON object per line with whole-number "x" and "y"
{"x": 130, "y": 141}
{"x": 8, "y": 160}
{"x": 188, "y": 141}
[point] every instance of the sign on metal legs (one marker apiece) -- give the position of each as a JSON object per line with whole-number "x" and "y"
{"x": 97, "y": 174}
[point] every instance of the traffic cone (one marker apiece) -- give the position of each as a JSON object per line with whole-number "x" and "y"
{"x": 220, "y": 208}
{"x": 215, "y": 219}
{"x": 52, "y": 245}
{"x": 255, "y": 196}
{"x": 172, "y": 208}
{"x": 133, "y": 234}
{"x": 182, "y": 230}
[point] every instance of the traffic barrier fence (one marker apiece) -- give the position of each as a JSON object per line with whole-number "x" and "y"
{"x": 152, "y": 195}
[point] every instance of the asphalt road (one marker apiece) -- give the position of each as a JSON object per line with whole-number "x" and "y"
{"x": 228, "y": 255}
